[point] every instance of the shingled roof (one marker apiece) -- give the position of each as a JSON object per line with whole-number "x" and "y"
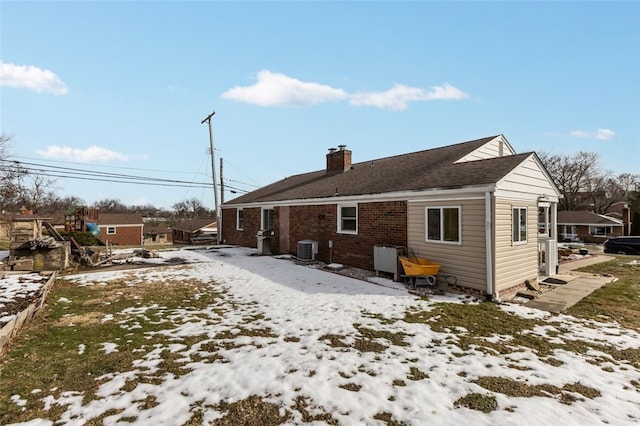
{"x": 120, "y": 219}
{"x": 428, "y": 169}
{"x": 191, "y": 225}
{"x": 582, "y": 217}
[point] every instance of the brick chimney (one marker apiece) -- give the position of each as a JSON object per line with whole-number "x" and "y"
{"x": 626, "y": 219}
{"x": 338, "y": 160}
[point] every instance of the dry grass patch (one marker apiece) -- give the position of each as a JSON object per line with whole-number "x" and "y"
{"x": 66, "y": 341}
{"x": 617, "y": 301}
{"x": 514, "y": 388}
{"x": 250, "y": 412}
{"x": 477, "y": 402}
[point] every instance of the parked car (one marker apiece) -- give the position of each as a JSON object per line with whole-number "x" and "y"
{"x": 622, "y": 245}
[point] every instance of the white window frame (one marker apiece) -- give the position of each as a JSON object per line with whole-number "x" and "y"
{"x": 516, "y": 238}
{"x": 262, "y": 212}
{"x": 441, "y": 225}
{"x": 240, "y": 219}
{"x": 341, "y": 229}
{"x": 593, "y": 228}
{"x": 111, "y": 230}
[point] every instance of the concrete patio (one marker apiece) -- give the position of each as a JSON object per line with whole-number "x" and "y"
{"x": 578, "y": 285}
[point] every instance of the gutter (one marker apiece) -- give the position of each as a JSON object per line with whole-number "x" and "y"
{"x": 488, "y": 229}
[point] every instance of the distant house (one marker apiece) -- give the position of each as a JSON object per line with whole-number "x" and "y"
{"x": 121, "y": 228}
{"x": 472, "y": 207}
{"x": 621, "y": 211}
{"x": 588, "y": 227}
{"x": 157, "y": 235}
{"x": 195, "y": 231}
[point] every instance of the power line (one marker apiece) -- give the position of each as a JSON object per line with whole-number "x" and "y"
{"x": 82, "y": 174}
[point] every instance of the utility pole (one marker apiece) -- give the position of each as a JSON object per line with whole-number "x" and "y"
{"x": 221, "y": 183}
{"x": 213, "y": 172}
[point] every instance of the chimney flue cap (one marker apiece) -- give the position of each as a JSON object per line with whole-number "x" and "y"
{"x": 333, "y": 149}
{"x": 342, "y": 147}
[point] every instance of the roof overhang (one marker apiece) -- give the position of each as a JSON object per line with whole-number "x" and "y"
{"x": 389, "y": 196}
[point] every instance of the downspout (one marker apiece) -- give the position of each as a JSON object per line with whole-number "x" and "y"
{"x": 488, "y": 229}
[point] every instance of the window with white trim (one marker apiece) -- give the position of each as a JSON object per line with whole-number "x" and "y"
{"x": 348, "y": 219}
{"x": 599, "y": 231}
{"x": 239, "y": 219}
{"x": 111, "y": 230}
{"x": 519, "y": 222}
{"x": 443, "y": 224}
{"x": 268, "y": 219}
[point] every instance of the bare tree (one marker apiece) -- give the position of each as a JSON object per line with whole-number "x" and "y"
{"x": 110, "y": 205}
{"x": 55, "y": 204}
{"x": 10, "y": 174}
{"x": 191, "y": 208}
{"x": 584, "y": 185}
{"x": 574, "y": 175}
{"x": 35, "y": 191}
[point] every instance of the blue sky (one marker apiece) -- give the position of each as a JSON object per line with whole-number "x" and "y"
{"x": 122, "y": 87}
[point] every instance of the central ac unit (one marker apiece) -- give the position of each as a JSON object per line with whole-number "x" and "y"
{"x": 307, "y": 249}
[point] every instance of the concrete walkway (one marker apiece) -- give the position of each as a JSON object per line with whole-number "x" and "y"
{"x": 578, "y": 285}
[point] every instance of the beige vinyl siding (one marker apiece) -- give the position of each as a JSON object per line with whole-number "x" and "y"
{"x": 497, "y": 147}
{"x": 466, "y": 260}
{"x": 528, "y": 178}
{"x": 515, "y": 262}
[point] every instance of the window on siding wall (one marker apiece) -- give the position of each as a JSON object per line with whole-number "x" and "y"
{"x": 443, "y": 224}
{"x": 348, "y": 219}
{"x": 240, "y": 220}
{"x": 268, "y": 219}
{"x": 519, "y": 224}
{"x": 111, "y": 230}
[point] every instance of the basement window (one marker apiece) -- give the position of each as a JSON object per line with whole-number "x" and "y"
{"x": 443, "y": 224}
{"x": 111, "y": 230}
{"x": 348, "y": 219}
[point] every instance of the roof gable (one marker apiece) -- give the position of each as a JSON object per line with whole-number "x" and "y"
{"x": 496, "y": 147}
{"x": 191, "y": 225}
{"x": 423, "y": 170}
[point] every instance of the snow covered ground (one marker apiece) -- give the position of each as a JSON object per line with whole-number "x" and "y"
{"x": 17, "y": 290}
{"x": 300, "y": 305}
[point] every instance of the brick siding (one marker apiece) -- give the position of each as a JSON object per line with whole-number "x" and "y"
{"x": 124, "y": 236}
{"x": 379, "y": 223}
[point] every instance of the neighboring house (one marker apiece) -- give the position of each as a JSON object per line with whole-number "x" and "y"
{"x": 121, "y": 228}
{"x": 195, "y": 231}
{"x": 157, "y": 235}
{"x": 471, "y": 207}
{"x": 588, "y": 227}
{"x": 622, "y": 211}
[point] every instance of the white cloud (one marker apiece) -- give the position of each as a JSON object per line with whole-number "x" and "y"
{"x": 32, "y": 78}
{"x": 600, "y": 134}
{"x": 93, "y": 154}
{"x": 400, "y": 95}
{"x": 276, "y": 89}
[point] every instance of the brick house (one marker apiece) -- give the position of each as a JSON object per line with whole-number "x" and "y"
{"x": 157, "y": 235}
{"x": 472, "y": 207}
{"x": 121, "y": 228}
{"x": 588, "y": 227}
{"x": 195, "y": 231}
